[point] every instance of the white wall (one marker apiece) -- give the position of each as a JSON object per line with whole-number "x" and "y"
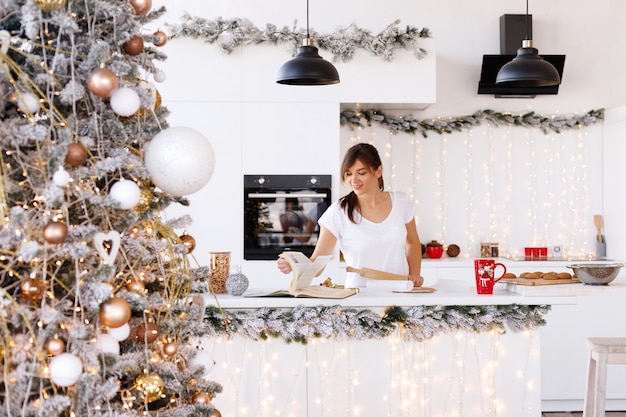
{"x": 515, "y": 186}
{"x": 257, "y": 126}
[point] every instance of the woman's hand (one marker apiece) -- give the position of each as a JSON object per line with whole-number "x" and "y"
{"x": 417, "y": 280}
{"x": 283, "y": 266}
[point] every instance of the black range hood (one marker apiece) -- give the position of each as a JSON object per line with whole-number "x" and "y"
{"x": 493, "y": 63}
{"x": 513, "y": 29}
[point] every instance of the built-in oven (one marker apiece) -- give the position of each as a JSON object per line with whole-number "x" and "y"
{"x": 280, "y": 213}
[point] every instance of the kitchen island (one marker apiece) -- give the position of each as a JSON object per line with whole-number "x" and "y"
{"x": 451, "y": 352}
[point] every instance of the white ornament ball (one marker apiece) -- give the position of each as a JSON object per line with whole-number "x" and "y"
{"x": 105, "y": 343}
{"x": 202, "y": 358}
{"x": 126, "y": 193}
{"x": 180, "y": 160}
{"x": 61, "y": 178}
{"x": 159, "y": 76}
{"x": 120, "y": 333}
{"x": 28, "y": 103}
{"x": 125, "y": 102}
{"x": 65, "y": 369}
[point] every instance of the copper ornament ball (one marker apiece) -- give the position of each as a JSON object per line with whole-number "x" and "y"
{"x": 188, "y": 241}
{"x": 50, "y": 5}
{"x": 133, "y": 46}
{"x": 161, "y": 38}
{"x": 202, "y": 398}
{"x": 55, "y": 346}
{"x": 135, "y": 286}
{"x": 55, "y": 232}
{"x": 215, "y": 413}
{"x": 102, "y": 82}
{"x": 170, "y": 349}
{"x": 142, "y": 7}
{"x": 147, "y": 332}
{"x": 76, "y": 154}
{"x": 32, "y": 289}
{"x": 115, "y": 312}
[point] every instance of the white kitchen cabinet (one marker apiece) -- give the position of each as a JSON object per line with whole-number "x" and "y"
{"x": 564, "y": 352}
{"x": 598, "y": 312}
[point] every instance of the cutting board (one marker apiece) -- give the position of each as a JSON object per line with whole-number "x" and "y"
{"x": 540, "y": 281}
{"x": 419, "y": 290}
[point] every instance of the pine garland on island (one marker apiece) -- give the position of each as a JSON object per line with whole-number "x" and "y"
{"x": 95, "y": 318}
{"x": 301, "y": 324}
{"x": 410, "y": 124}
{"x": 233, "y": 33}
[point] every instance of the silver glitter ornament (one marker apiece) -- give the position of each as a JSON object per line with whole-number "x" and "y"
{"x": 236, "y": 283}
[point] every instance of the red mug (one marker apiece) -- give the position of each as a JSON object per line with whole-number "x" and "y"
{"x": 484, "y": 270}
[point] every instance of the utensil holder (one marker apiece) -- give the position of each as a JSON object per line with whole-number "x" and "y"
{"x": 601, "y": 248}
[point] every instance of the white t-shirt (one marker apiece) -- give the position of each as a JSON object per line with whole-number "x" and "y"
{"x": 366, "y": 244}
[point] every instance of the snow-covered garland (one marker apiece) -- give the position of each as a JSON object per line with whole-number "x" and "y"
{"x": 412, "y": 125}
{"x": 419, "y": 323}
{"x": 232, "y": 33}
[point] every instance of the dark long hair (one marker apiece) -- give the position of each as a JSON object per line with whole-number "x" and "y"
{"x": 368, "y": 155}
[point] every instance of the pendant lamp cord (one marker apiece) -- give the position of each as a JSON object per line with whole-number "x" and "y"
{"x": 307, "y": 19}
{"x": 526, "y": 18}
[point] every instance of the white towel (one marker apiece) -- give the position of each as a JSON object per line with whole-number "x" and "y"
{"x": 389, "y": 285}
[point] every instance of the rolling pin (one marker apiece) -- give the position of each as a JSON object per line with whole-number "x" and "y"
{"x": 376, "y": 274}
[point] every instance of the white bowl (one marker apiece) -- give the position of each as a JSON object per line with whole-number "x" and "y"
{"x": 596, "y": 274}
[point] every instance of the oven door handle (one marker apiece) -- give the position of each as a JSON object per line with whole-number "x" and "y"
{"x": 286, "y": 195}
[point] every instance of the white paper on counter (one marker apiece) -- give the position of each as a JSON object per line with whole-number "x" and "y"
{"x": 388, "y": 285}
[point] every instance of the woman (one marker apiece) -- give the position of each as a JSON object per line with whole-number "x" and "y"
{"x": 375, "y": 229}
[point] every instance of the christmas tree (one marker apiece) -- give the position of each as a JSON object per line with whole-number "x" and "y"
{"x": 97, "y": 312}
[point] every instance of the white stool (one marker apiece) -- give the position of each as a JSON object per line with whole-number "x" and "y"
{"x": 604, "y": 351}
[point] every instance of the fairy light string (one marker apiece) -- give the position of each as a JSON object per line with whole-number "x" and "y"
{"x": 518, "y": 180}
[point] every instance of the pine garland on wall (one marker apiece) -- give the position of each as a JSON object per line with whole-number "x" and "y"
{"x": 419, "y": 323}
{"x": 410, "y": 124}
{"x": 233, "y": 33}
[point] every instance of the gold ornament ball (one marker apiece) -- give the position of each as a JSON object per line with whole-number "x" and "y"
{"x": 33, "y": 289}
{"x": 133, "y": 46}
{"x": 150, "y": 386}
{"x": 147, "y": 332}
{"x": 145, "y": 199}
{"x": 215, "y": 413}
{"x": 161, "y": 38}
{"x": 55, "y": 346}
{"x": 102, "y": 82}
{"x": 50, "y": 5}
{"x": 188, "y": 241}
{"x": 142, "y": 7}
{"x": 55, "y": 232}
{"x": 76, "y": 154}
{"x": 115, "y": 312}
{"x": 170, "y": 349}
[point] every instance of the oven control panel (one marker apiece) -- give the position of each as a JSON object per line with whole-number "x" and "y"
{"x": 287, "y": 181}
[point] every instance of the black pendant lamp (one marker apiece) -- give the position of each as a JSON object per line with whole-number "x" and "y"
{"x": 528, "y": 69}
{"x": 307, "y": 67}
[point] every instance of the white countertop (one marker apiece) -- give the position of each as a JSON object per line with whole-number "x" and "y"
{"x": 449, "y": 292}
{"x": 615, "y": 288}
